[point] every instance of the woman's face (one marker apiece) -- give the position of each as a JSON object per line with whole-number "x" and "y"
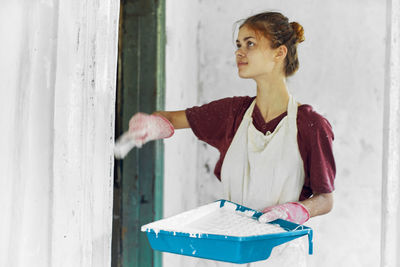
{"x": 255, "y": 57}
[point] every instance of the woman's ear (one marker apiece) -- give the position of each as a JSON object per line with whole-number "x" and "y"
{"x": 281, "y": 52}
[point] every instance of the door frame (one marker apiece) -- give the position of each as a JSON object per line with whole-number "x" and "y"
{"x": 138, "y": 179}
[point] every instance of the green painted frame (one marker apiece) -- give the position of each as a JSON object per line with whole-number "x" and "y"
{"x": 138, "y": 183}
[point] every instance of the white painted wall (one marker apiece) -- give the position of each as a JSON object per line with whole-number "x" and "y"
{"x": 58, "y": 65}
{"x": 27, "y": 67}
{"x": 180, "y": 162}
{"x": 341, "y": 75}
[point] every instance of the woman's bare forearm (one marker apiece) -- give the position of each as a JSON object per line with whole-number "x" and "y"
{"x": 176, "y": 118}
{"x": 319, "y": 204}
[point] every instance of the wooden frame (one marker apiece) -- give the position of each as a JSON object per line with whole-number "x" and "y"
{"x": 139, "y": 177}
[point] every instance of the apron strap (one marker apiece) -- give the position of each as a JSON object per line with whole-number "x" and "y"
{"x": 292, "y": 114}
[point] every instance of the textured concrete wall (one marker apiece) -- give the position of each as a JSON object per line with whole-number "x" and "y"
{"x": 57, "y": 102}
{"x": 341, "y": 75}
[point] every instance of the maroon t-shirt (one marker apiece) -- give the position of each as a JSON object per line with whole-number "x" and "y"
{"x": 217, "y": 122}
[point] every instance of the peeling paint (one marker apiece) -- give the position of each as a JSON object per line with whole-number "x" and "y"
{"x": 58, "y": 200}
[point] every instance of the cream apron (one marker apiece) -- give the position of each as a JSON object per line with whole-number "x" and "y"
{"x": 263, "y": 170}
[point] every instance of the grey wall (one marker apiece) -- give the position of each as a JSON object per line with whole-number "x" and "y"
{"x": 341, "y": 75}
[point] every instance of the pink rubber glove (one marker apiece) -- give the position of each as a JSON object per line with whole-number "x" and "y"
{"x": 291, "y": 211}
{"x": 144, "y": 128}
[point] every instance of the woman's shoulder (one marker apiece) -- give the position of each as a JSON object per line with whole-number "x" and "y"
{"x": 309, "y": 119}
{"x": 233, "y": 103}
{"x": 243, "y": 101}
{"x": 223, "y": 108}
{"x": 238, "y": 100}
{"x": 235, "y": 100}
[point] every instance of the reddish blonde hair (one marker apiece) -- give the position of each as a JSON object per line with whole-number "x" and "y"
{"x": 276, "y": 28}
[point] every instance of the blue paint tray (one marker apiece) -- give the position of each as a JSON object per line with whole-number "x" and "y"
{"x": 195, "y": 233}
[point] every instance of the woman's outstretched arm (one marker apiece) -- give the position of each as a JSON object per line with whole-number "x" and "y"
{"x": 176, "y": 118}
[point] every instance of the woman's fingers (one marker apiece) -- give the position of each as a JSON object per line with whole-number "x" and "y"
{"x": 291, "y": 211}
{"x": 271, "y": 215}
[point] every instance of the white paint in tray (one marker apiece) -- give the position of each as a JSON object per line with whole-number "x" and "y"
{"x": 213, "y": 219}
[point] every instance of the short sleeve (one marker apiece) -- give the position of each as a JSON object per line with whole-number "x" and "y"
{"x": 320, "y": 167}
{"x": 212, "y": 122}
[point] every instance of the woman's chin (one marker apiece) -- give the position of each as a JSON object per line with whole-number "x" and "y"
{"x": 244, "y": 75}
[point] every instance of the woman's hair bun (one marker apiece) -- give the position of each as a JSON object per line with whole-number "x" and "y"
{"x": 298, "y": 29}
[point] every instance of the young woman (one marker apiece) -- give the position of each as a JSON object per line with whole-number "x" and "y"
{"x": 275, "y": 154}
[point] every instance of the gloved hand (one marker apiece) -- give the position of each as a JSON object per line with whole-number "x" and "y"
{"x": 291, "y": 211}
{"x": 142, "y": 128}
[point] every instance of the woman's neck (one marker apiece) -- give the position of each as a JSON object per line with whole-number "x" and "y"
{"x": 272, "y": 97}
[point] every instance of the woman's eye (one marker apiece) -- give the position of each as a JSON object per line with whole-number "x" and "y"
{"x": 249, "y": 44}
